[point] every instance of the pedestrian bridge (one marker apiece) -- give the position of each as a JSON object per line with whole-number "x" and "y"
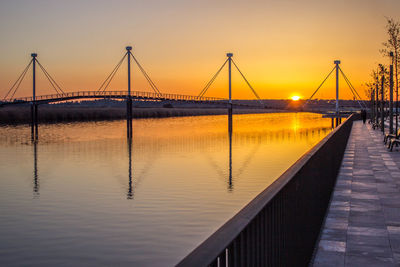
{"x": 134, "y": 95}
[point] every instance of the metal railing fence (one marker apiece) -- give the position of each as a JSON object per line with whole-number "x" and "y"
{"x": 281, "y": 225}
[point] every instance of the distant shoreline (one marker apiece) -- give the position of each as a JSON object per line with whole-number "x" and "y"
{"x": 48, "y": 114}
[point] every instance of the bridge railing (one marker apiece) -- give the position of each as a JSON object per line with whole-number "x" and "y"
{"x": 281, "y": 225}
{"x": 115, "y": 94}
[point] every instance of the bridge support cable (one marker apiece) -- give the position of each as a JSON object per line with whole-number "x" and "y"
{"x": 108, "y": 80}
{"x": 347, "y": 79}
{"x": 211, "y": 81}
{"x": 322, "y": 83}
{"x": 319, "y": 87}
{"x": 354, "y": 91}
{"x": 17, "y": 83}
{"x": 251, "y": 87}
{"x": 354, "y": 94}
{"x": 152, "y": 84}
{"x": 53, "y": 83}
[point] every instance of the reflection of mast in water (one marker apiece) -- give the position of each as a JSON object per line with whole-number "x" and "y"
{"x": 129, "y": 120}
{"x": 130, "y": 189}
{"x": 35, "y": 171}
{"x": 230, "y": 186}
{"x": 133, "y": 185}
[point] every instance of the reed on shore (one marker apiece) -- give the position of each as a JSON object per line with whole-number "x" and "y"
{"x": 52, "y": 114}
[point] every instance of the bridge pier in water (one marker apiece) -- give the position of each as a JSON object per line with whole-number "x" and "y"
{"x": 34, "y": 122}
{"x": 129, "y": 118}
{"x": 335, "y": 121}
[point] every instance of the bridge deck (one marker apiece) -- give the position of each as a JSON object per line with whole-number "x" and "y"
{"x": 362, "y": 227}
{"x": 111, "y": 94}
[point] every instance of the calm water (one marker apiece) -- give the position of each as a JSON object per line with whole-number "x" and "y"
{"x": 84, "y": 195}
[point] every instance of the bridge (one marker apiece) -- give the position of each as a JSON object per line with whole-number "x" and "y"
{"x": 156, "y": 95}
{"x": 102, "y": 92}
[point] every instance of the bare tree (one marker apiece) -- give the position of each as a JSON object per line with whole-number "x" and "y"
{"x": 383, "y": 72}
{"x": 393, "y": 45}
{"x": 371, "y": 85}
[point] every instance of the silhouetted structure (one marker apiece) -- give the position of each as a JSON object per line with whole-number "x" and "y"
{"x": 337, "y": 115}
{"x": 102, "y": 93}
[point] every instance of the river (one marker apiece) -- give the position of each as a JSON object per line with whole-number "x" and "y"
{"x": 85, "y": 195}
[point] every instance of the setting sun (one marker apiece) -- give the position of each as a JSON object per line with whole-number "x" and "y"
{"x": 295, "y": 98}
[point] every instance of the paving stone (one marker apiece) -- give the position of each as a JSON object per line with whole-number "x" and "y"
{"x": 329, "y": 259}
{"x": 393, "y": 230}
{"x": 361, "y": 260}
{"x": 395, "y": 243}
{"x": 337, "y": 223}
{"x": 334, "y": 234}
{"x": 331, "y": 245}
{"x": 396, "y": 257}
{"x": 367, "y": 240}
{"x": 369, "y": 250}
{"x": 359, "y": 222}
{"x": 368, "y": 231}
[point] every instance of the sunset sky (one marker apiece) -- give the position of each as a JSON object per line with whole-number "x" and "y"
{"x": 284, "y": 47}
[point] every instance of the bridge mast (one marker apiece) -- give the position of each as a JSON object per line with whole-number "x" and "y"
{"x": 128, "y": 51}
{"x": 129, "y": 99}
{"x": 337, "y": 62}
{"x": 34, "y": 126}
{"x": 230, "y": 55}
{"x": 34, "y": 55}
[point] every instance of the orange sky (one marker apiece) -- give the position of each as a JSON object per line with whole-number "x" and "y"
{"x": 283, "y": 47}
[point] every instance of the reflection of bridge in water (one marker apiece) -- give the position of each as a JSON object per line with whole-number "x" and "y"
{"x": 148, "y": 148}
{"x": 182, "y": 143}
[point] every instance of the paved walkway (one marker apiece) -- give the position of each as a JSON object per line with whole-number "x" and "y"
{"x": 362, "y": 227}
